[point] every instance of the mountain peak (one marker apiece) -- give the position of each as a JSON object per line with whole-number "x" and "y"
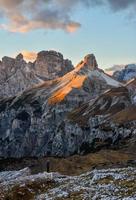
{"x": 52, "y": 64}
{"x": 19, "y": 57}
{"x": 126, "y": 74}
{"x": 47, "y": 66}
{"x": 43, "y": 53}
{"x": 91, "y": 62}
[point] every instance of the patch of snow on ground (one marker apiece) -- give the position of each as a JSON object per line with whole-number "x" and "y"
{"x": 106, "y": 184}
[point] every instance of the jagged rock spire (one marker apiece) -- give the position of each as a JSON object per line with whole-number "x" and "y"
{"x": 91, "y": 62}
{"x": 19, "y": 57}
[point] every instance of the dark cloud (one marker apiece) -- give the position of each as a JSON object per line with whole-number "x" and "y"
{"x": 114, "y": 4}
{"x": 8, "y": 4}
{"x": 121, "y": 4}
{"x": 27, "y": 15}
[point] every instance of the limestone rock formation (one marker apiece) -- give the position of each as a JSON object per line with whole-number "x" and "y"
{"x": 90, "y": 60}
{"x": 16, "y": 75}
{"x": 41, "y": 122}
{"x": 51, "y": 64}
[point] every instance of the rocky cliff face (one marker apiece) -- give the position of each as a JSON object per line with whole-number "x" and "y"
{"x": 51, "y": 65}
{"x": 16, "y": 75}
{"x": 41, "y": 121}
{"x": 111, "y": 120}
{"x": 131, "y": 85}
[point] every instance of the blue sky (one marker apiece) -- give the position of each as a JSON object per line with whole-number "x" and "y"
{"x": 110, "y": 35}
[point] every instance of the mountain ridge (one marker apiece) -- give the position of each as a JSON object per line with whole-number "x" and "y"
{"x": 36, "y": 122}
{"x": 16, "y": 75}
{"x": 126, "y": 74}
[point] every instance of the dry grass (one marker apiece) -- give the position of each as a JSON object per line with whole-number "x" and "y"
{"x": 28, "y": 190}
{"x": 126, "y": 115}
{"x": 73, "y": 165}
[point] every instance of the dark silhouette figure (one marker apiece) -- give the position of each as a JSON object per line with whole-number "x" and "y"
{"x": 48, "y": 166}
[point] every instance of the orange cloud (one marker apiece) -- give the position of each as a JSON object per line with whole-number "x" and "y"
{"x": 109, "y": 72}
{"x": 33, "y": 25}
{"x": 44, "y": 17}
{"x": 50, "y": 14}
{"x": 72, "y": 27}
{"x": 29, "y": 56}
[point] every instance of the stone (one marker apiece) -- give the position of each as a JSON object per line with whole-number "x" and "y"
{"x": 19, "y": 57}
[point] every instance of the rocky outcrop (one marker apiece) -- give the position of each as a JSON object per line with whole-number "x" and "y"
{"x": 38, "y": 122}
{"x": 111, "y": 119}
{"x": 91, "y": 62}
{"x": 16, "y": 75}
{"x": 126, "y": 74}
{"x": 51, "y": 65}
{"x": 131, "y": 85}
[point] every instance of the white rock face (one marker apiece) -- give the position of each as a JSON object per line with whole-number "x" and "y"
{"x": 105, "y": 77}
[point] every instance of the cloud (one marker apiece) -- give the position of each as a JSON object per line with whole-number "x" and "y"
{"x": 24, "y": 16}
{"x": 27, "y": 15}
{"x": 121, "y": 4}
{"x": 115, "y": 68}
{"x": 115, "y": 5}
{"x": 10, "y": 4}
{"x": 29, "y": 56}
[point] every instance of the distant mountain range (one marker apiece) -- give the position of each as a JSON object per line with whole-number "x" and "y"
{"x": 115, "y": 68}
{"x": 123, "y": 72}
{"x": 126, "y": 74}
{"x": 54, "y": 109}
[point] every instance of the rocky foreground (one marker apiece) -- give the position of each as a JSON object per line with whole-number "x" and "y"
{"x": 104, "y": 184}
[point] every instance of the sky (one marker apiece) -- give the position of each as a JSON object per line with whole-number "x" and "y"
{"x": 75, "y": 28}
